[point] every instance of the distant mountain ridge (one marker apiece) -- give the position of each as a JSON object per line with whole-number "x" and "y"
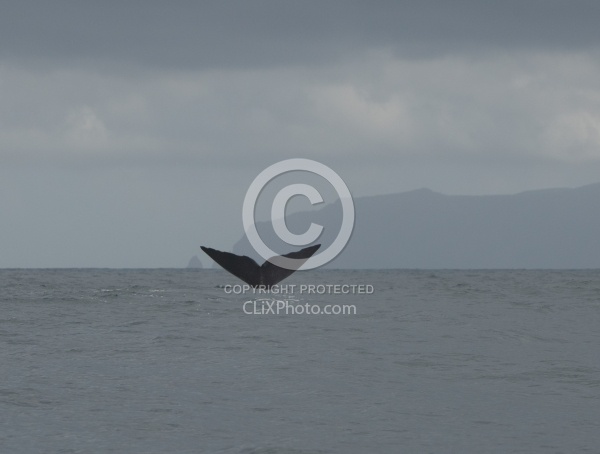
{"x": 548, "y": 228}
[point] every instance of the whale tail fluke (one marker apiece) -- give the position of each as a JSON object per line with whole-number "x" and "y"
{"x": 251, "y": 273}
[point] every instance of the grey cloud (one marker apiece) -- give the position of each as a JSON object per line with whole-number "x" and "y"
{"x": 139, "y": 111}
{"x": 514, "y": 108}
{"x": 226, "y": 34}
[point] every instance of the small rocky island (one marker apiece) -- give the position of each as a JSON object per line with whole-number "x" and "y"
{"x": 194, "y": 263}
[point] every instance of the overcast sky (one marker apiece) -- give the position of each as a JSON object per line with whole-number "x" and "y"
{"x": 130, "y": 131}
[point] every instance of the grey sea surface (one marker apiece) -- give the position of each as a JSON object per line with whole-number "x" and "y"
{"x": 165, "y": 361}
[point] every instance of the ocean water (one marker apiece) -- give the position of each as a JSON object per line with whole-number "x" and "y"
{"x": 165, "y": 361}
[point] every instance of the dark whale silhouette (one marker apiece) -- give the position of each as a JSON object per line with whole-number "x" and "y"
{"x": 251, "y": 273}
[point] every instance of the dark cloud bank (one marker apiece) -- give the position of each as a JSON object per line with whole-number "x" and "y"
{"x": 261, "y": 33}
